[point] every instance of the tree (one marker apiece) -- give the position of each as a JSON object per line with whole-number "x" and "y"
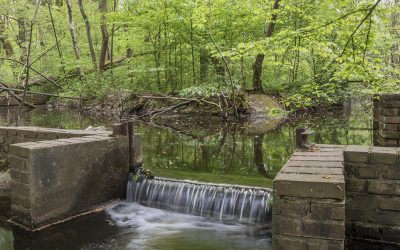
{"x": 88, "y": 33}
{"x": 258, "y": 64}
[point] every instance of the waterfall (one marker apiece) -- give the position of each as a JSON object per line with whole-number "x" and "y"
{"x": 221, "y": 202}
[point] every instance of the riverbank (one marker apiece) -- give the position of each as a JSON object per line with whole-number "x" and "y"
{"x": 249, "y": 107}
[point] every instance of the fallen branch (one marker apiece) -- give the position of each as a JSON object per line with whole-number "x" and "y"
{"x": 39, "y": 93}
{"x": 181, "y": 99}
{"x": 6, "y": 88}
{"x": 34, "y": 70}
{"x": 161, "y": 111}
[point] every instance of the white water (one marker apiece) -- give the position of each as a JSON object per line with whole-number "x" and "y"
{"x": 223, "y": 203}
{"x": 151, "y": 228}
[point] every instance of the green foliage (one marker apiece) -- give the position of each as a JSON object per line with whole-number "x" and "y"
{"x": 318, "y": 48}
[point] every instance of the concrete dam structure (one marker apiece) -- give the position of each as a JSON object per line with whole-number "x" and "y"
{"x": 59, "y": 174}
{"x": 343, "y": 197}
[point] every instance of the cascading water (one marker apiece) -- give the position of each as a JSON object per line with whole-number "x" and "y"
{"x": 236, "y": 203}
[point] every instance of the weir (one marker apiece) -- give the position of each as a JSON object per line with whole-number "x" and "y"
{"x": 221, "y": 202}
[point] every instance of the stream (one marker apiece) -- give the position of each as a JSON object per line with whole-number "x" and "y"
{"x": 195, "y": 150}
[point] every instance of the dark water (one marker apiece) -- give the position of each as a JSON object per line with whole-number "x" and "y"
{"x": 197, "y": 150}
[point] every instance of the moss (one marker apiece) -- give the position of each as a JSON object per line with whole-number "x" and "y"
{"x": 214, "y": 178}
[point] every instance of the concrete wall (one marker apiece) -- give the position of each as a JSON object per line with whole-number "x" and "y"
{"x": 13, "y": 135}
{"x": 308, "y": 205}
{"x": 386, "y": 117}
{"x": 56, "y": 174}
{"x": 319, "y": 202}
{"x": 372, "y": 197}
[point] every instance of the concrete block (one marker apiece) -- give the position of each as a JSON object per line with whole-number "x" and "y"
{"x": 325, "y": 244}
{"x": 390, "y": 173}
{"x": 389, "y": 127}
{"x": 390, "y": 111}
{"x": 356, "y": 154}
{"x": 69, "y": 178}
{"x": 367, "y": 173}
{"x": 287, "y": 226}
{"x": 380, "y": 155}
{"x": 329, "y": 186}
{"x": 285, "y": 242}
{"x": 384, "y": 187}
{"x": 366, "y": 231}
{"x": 12, "y": 131}
{"x": 19, "y": 175}
{"x": 356, "y": 185}
{"x": 355, "y": 215}
{"x": 390, "y": 203}
{"x": 19, "y": 188}
{"x": 326, "y": 229}
{"x": 18, "y": 163}
{"x": 389, "y": 96}
{"x": 3, "y": 131}
{"x": 391, "y": 233}
{"x": 361, "y": 201}
{"x": 390, "y": 119}
{"x": 291, "y": 208}
{"x": 21, "y": 201}
{"x": 389, "y": 134}
{"x": 328, "y": 211}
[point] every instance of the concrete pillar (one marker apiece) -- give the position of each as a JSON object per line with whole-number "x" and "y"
{"x": 386, "y": 120}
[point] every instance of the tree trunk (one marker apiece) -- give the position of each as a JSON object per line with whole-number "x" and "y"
{"x": 74, "y": 37}
{"x": 203, "y": 64}
{"x": 22, "y": 37}
{"x": 395, "y": 58}
{"x": 258, "y": 155}
{"x": 258, "y": 65}
{"x": 257, "y": 73}
{"x": 89, "y": 34}
{"x": 49, "y": 3}
{"x": 6, "y": 45}
{"x": 218, "y": 65}
{"x": 104, "y": 34}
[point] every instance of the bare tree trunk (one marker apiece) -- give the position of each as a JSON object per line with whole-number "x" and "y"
{"x": 395, "y": 57}
{"x": 258, "y": 64}
{"x": 27, "y": 63}
{"x": 73, "y": 36}
{"x": 104, "y": 34}
{"x": 192, "y": 51}
{"x": 49, "y": 3}
{"x": 203, "y": 64}
{"x": 22, "y": 37}
{"x": 89, "y": 34}
{"x": 6, "y": 45}
{"x": 42, "y": 41}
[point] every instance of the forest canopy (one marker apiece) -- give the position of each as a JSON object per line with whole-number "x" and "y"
{"x": 307, "y": 53}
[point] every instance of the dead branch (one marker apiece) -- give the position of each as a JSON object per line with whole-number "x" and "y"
{"x": 168, "y": 109}
{"x": 34, "y": 70}
{"x": 39, "y": 93}
{"x": 6, "y": 88}
{"x": 181, "y": 99}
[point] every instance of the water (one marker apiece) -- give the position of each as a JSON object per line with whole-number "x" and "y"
{"x": 219, "y": 202}
{"x": 196, "y": 150}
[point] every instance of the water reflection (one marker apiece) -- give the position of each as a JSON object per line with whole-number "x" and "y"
{"x": 215, "y": 151}
{"x": 204, "y": 150}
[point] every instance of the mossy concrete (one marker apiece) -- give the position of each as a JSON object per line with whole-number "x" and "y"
{"x": 58, "y": 174}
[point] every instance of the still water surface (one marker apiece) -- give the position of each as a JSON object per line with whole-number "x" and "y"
{"x": 197, "y": 150}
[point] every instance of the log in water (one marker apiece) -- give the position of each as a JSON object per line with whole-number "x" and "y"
{"x": 224, "y": 203}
